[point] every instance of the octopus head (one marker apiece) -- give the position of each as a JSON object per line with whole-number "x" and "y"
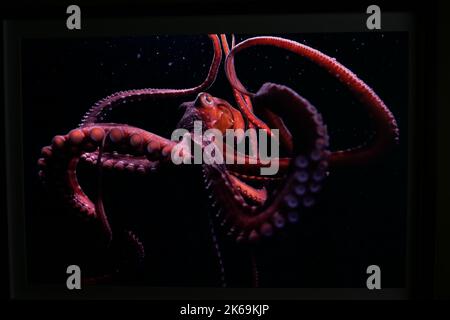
{"x": 217, "y": 113}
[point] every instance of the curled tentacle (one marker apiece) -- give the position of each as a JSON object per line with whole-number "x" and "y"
{"x": 243, "y": 101}
{"x": 384, "y": 122}
{"x": 256, "y": 195}
{"x": 117, "y": 161}
{"x": 95, "y": 113}
{"x": 58, "y": 168}
{"x": 304, "y": 174}
{"x": 59, "y": 161}
{"x": 99, "y": 207}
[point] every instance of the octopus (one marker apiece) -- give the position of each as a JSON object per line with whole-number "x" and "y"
{"x": 248, "y": 206}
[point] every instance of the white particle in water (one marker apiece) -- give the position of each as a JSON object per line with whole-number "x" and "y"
{"x": 138, "y": 55}
{"x": 170, "y": 64}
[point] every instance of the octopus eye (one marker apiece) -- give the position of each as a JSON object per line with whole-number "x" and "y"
{"x": 208, "y": 99}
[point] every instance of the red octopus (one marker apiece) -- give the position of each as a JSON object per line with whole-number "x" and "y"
{"x": 250, "y": 205}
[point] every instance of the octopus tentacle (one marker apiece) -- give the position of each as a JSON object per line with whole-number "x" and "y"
{"x": 248, "y": 104}
{"x": 247, "y": 177}
{"x": 59, "y": 161}
{"x": 134, "y": 254}
{"x": 95, "y": 113}
{"x": 99, "y": 207}
{"x": 243, "y": 102}
{"x": 275, "y": 122}
{"x": 120, "y": 162}
{"x": 58, "y": 167}
{"x": 244, "y": 164}
{"x": 304, "y": 177}
{"x": 387, "y": 133}
{"x": 257, "y": 195}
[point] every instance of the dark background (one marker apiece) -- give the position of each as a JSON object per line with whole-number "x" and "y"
{"x": 361, "y": 217}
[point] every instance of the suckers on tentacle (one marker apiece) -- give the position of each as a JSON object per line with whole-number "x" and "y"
{"x": 306, "y": 172}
